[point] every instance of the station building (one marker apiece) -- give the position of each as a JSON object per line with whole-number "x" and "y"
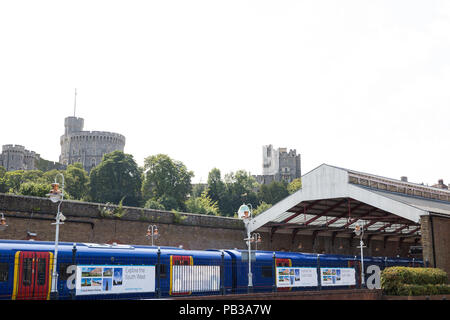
{"x": 333, "y": 200}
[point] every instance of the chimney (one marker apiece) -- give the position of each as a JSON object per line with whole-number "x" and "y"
{"x": 441, "y": 185}
{"x": 404, "y": 178}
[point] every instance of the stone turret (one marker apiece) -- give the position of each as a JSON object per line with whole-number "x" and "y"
{"x": 87, "y": 147}
{"x": 73, "y": 124}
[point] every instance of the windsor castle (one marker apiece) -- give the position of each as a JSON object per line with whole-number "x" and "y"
{"x": 86, "y": 147}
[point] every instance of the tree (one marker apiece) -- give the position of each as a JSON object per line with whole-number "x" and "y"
{"x": 216, "y": 187}
{"x": 117, "y": 177}
{"x": 166, "y": 181}
{"x": 154, "y": 204}
{"x": 295, "y": 185}
{"x": 261, "y": 208}
{"x": 14, "y": 179}
{"x": 76, "y": 181}
{"x": 34, "y": 189}
{"x": 273, "y": 192}
{"x": 202, "y": 205}
{"x": 240, "y": 188}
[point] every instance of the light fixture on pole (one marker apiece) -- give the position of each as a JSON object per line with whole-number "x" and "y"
{"x": 359, "y": 231}
{"x": 55, "y": 196}
{"x": 152, "y": 231}
{"x": 245, "y": 213}
{"x": 256, "y": 238}
{"x": 3, "y": 224}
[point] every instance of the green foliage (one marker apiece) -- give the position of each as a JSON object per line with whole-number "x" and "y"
{"x": 166, "y": 181}
{"x": 203, "y": 205}
{"x": 273, "y": 192}
{"x": 34, "y": 189}
{"x": 413, "y": 281}
{"x": 2, "y": 172}
{"x": 216, "y": 187}
{"x": 178, "y": 217}
{"x": 261, "y": 208}
{"x": 76, "y": 181}
{"x": 117, "y": 178}
{"x": 295, "y": 185}
{"x": 154, "y": 204}
{"x": 108, "y": 210}
{"x": 240, "y": 187}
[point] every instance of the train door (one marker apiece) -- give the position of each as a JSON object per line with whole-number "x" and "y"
{"x": 283, "y": 263}
{"x": 180, "y": 276}
{"x": 32, "y": 273}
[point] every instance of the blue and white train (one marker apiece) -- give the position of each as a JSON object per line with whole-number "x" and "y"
{"x": 111, "y": 271}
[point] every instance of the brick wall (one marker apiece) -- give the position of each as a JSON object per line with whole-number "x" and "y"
{"x": 436, "y": 229}
{"x": 89, "y": 222}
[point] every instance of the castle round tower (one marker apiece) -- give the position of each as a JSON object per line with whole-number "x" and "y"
{"x": 87, "y": 147}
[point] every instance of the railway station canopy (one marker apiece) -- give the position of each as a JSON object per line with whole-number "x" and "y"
{"x": 334, "y": 200}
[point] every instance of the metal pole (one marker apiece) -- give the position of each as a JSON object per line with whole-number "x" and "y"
{"x": 74, "y": 253}
{"x": 361, "y": 244}
{"x": 152, "y": 235}
{"x": 158, "y": 274}
{"x": 222, "y": 272}
{"x": 250, "y": 276}
{"x": 274, "y": 271}
{"x": 54, "y": 289}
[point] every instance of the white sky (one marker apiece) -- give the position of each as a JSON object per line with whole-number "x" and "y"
{"x": 363, "y": 85}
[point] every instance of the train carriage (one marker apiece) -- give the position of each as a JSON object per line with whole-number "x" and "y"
{"x": 116, "y": 271}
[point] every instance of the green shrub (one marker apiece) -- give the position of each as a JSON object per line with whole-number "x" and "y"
{"x": 414, "y": 281}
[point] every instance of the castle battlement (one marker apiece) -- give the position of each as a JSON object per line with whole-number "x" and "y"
{"x": 13, "y": 148}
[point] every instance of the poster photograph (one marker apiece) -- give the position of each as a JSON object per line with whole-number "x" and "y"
{"x": 296, "y": 277}
{"x": 338, "y": 276}
{"x": 114, "y": 279}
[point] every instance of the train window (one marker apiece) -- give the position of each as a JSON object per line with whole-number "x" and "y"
{"x": 4, "y": 270}
{"x": 26, "y": 271}
{"x": 41, "y": 271}
{"x": 266, "y": 271}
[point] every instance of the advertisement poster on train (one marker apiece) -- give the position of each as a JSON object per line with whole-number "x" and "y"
{"x": 112, "y": 279}
{"x": 338, "y": 276}
{"x": 296, "y": 277}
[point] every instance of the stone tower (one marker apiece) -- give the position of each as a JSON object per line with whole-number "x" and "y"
{"x": 87, "y": 147}
{"x": 16, "y": 157}
{"x": 279, "y": 165}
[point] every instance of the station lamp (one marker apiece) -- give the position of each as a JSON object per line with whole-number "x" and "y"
{"x": 359, "y": 231}
{"x": 152, "y": 231}
{"x": 3, "y": 224}
{"x": 55, "y": 196}
{"x": 245, "y": 213}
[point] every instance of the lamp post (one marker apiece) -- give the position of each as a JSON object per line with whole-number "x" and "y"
{"x": 152, "y": 231}
{"x": 3, "y": 224}
{"x": 55, "y": 196}
{"x": 359, "y": 231}
{"x": 245, "y": 213}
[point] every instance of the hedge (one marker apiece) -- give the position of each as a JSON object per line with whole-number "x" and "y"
{"x": 405, "y": 281}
